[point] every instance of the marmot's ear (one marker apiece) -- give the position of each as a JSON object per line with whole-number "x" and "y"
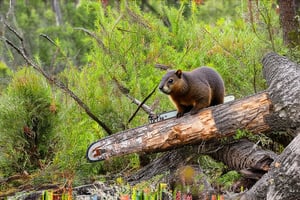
{"x": 178, "y": 73}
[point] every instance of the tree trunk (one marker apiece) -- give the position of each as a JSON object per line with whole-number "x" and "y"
{"x": 282, "y": 180}
{"x": 57, "y": 11}
{"x": 288, "y": 21}
{"x": 283, "y": 79}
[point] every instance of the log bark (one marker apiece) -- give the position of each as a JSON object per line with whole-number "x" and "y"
{"x": 214, "y": 122}
{"x": 283, "y": 79}
{"x": 277, "y": 109}
{"x": 282, "y": 180}
{"x": 241, "y": 155}
{"x": 171, "y": 160}
{"x": 246, "y": 157}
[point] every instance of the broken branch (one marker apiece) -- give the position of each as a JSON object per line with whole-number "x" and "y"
{"x": 52, "y": 80}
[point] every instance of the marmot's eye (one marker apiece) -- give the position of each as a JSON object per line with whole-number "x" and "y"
{"x": 170, "y": 81}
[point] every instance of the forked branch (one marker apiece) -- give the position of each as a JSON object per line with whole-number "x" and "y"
{"x": 51, "y": 79}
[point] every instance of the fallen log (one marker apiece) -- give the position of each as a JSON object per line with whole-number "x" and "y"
{"x": 283, "y": 79}
{"x": 277, "y": 108}
{"x": 246, "y": 157}
{"x": 282, "y": 180}
{"x": 171, "y": 160}
{"x": 240, "y": 155}
{"x": 214, "y": 122}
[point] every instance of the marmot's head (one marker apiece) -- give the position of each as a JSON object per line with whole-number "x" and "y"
{"x": 172, "y": 82}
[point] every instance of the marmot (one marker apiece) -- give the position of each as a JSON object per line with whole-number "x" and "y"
{"x": 194, "y": 90}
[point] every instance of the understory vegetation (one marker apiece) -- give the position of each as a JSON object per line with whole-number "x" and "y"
{"x": 99, "y": 50}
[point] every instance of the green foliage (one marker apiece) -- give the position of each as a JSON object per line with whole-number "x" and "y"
{"x": 228, "y": 179}
{"x": 214, "y": 170}
{"x": 294, "y": 53}
{"x": 125, "y": 44}
{"x": 5, "y": 74}
{"x": 35, "y": 19}
{"x": 210, "y": 167}
{"x": 4, "y": 70}
{"x": 27, "y": 122}
{"x": 260, "y": 139}
{"x": 242, "y": 134}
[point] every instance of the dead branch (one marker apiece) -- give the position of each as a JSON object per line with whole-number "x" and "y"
{"x": 141, "y": 104}
{"x": 93, "y": 35}
{"x": 162, "y": 66}
{"x": 125, "y": 91}
{"x": 54, "y": 81}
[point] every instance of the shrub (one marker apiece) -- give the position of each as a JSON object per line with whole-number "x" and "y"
{"x": 27, "y": 121}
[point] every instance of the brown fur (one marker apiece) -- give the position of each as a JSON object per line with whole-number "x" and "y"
{"x": 194, "y": 90}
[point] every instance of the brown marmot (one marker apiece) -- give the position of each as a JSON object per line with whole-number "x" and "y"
{"x": 194, "y": 90}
